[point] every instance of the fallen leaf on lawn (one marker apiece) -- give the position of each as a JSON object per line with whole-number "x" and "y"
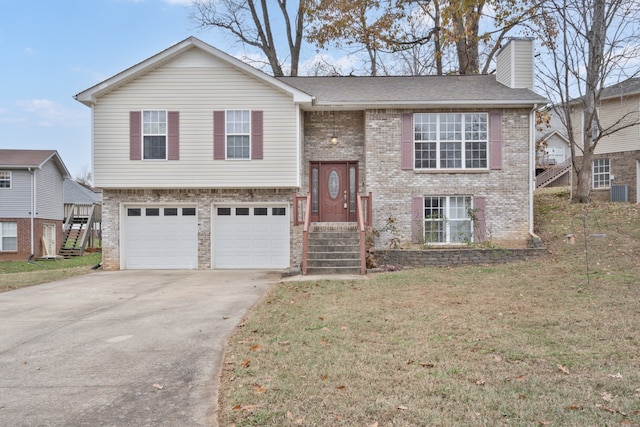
{"x": 617, "y": 376}
{"x": 246, "y": 363}
{"x": 607, "y": 397}
{"x": 480, "y": 382}
{"x": 521, "y": 378}
{"x": 343, "y": 328}
{"x": 255, "y": 347}
{"x": 325, "y": 329}
{"x": 606, "y": 408}
{"x": 545, "y": 423}
{"x": 284, "y": 342}
{"x": 158, "y": 386}
{"x": 427, "y": 365}
{"x": 402, "y": 408}
{"x": 257, "y": 388}
{"x": 409, "y": 362}
{"x": 237, "y": 407}
{"x": 374, "y": 424}
{"x": 574, "y": 407}
{"x": 497, "y": 359}
{"x": 625, "y": 422}
{"x": 324, "y": 377}
{"x": 294, "y": 419}
{"x": 563, "y": 369}
{"x": 341, "y": 387}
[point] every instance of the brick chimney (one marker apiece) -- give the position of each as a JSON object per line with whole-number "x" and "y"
{"x": 514, "y": 64}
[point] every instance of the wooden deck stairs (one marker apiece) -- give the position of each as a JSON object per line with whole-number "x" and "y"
{"x": 553, "y": 173}
{"x": 77, "y": 228}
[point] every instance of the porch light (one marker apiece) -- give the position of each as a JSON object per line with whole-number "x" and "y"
{"x": 333, "y": 140}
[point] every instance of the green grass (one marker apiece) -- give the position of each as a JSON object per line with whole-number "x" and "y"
{"x": 17, "y": 274}
{"x": 522, "y": 344}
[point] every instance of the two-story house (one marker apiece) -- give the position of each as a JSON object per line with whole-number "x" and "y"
{"x": 616, "y": 159}
{"x": 199, "y": 157}
{"x": 31, "y": 203}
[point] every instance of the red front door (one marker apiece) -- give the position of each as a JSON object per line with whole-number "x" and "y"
{"x": 333, "y": 191}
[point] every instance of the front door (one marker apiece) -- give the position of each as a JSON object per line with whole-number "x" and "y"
{"x": 333, "y": 191}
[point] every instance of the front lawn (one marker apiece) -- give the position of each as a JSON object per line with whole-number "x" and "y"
{"x": 553, "y": 341}
{"x": 18, "y": 274}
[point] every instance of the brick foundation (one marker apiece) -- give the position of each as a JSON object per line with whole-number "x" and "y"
{"x": 24, "y": 238}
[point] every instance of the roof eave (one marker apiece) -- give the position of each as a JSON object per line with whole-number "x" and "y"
{"x": 439, "y": 103}
{"x": 89, "y": 96}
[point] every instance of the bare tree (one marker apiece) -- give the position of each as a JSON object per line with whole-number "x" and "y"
{"x": 85, "y": 176}
{"x": 252, "y": 22}
{"x": 593, "y": 47}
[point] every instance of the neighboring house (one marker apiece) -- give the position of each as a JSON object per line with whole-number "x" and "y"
{"x": 616, "y": 161}
{"x": 199, "y": 157}
{"x": 553, "y": 156}
{"x": 31, "y": 203}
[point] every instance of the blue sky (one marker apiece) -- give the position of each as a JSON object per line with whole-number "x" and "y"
{"x": 51, "y": 50}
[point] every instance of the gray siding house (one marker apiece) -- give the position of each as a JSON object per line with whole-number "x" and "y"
{"x": 208, "y": 163}
{"x": 31, "y": 203}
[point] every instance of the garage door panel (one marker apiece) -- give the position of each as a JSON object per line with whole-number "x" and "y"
{"x": 160, "y": 242}
{"x": 257, "y": 240}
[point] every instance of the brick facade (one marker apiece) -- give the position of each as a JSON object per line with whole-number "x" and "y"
{"x": 624, "y": 167}
{"x": 24, "y": 238}
{"x": 373, "y": 138}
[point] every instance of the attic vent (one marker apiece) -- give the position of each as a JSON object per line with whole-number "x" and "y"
{"x": 619, "y": 193}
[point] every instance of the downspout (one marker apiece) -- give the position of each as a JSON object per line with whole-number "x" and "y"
{"x": 532, "y": 169}
{"x": 33, "y": 208}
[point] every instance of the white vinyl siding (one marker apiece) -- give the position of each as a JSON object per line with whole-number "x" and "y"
{"x": 612, "y": 110}
{"x": 49, "y": 192}
{"x": 196, "y": 85}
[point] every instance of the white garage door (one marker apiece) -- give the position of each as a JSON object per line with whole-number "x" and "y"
{"x": 160, "y": 237}
{"x": 251, "y": 237}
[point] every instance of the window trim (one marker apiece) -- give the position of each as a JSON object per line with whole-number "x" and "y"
{"x": 463, "y": 142}
{"x": 166, "y": 135}
{"x": 447, "y": 225}
{"x": 607, "y": 182}
{"x": 227, "y": 134}
{"x": 2, "y": 249}
{"x": 8, "y": 178}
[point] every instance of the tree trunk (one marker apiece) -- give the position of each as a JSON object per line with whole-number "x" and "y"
{"x": 583, "y": 184}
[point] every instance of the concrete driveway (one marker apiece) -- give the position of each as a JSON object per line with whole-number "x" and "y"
{"x": 126, "y": 348}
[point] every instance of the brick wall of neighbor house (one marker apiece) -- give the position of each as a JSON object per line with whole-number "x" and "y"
{"x": 625, "y": 171}
{"x": 348, "y": 127}
{"x": 203, "y": 199}
{"x": 24, "y": 238}
{"x": 506, "y": 190}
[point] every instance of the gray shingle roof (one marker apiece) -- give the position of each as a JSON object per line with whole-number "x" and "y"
{"x": 76, "y": 193}
{"x": 414, "y": 90}
{"x": 625, "y": 88}
{"x": 24, "y": 159}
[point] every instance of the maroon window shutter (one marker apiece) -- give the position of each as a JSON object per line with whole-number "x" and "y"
{"x": 407, "y": 141}
{"x": 417, "y": 220}
{"x": 256, "y": 134}
{"x": 173, "y": 128}
{"x": 479, "y": 223}
{"x": 218, "y": 135}
{"x": 495, "y": 140}
{"x": 135, "y": 135}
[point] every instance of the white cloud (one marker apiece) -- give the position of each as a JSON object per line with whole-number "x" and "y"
{"x": 180, "y": 2}
{"x": 46, "y": 113}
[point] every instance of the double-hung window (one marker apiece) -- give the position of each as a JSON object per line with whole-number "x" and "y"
{"x": 601, "y": 173}
{"x": 154, "y": 135}
{"x": 238, "y": 135}
{"x": 8, "y": 236}
{"x": 448, "y": 219}
{"x": 5, "y": 179}
{"x": 450, "y": 140}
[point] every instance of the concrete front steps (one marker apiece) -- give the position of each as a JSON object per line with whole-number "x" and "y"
{"x": 334, "y": 248}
